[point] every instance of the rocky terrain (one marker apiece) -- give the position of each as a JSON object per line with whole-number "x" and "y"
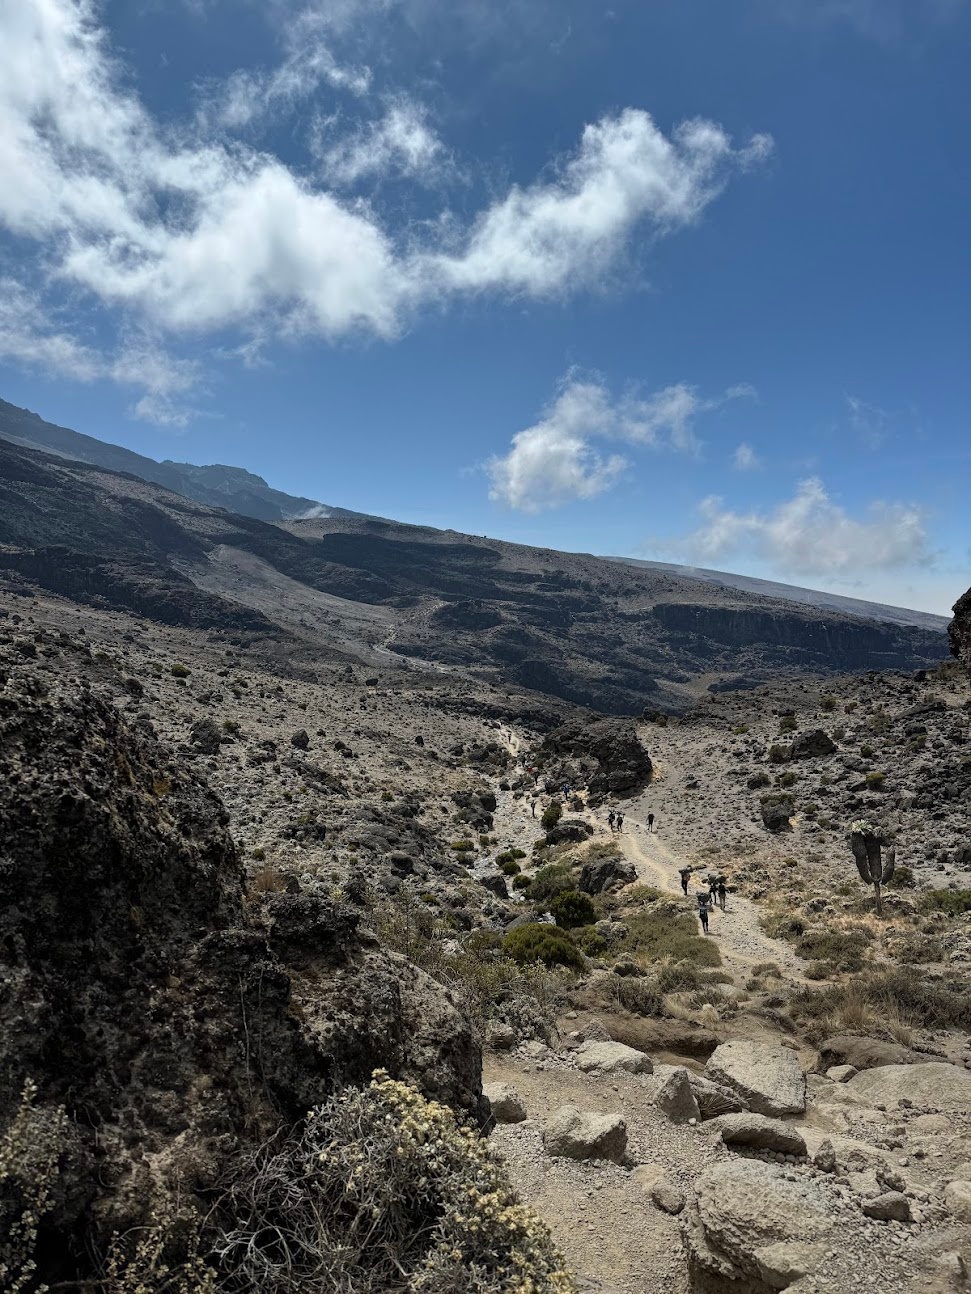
{"x": 587, "y": 631}
{"x": 237, "y": 879}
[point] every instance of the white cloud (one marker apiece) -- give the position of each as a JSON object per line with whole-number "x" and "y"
{"x": 869, "y": 421}
{"x": 809, "y": 534}
{"x": 401, "y": 142}
{"x": 30, "y": 339}
{"x": 745, "y": 458}
{"x": 182, "y": 232}
{"x": 553, "y": 462}
{"x": 551, "y": 237}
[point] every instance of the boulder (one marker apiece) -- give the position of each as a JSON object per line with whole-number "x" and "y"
{"x": 300, "y": 739}
{"x": 776, "y": 814}
{"x": 957, "y": 1200}
{"x": 500, "y": 1036}
{"x": 612, "y": 1058}
{"x": 892, "y": 1206}
{"x": 505, "y": 1103}
{"x": 812, "y": 745}
{"x": 935, "y": 1084}
{"x": 753, "y": 1229}
{"x": 569, "y": 831}
{"x": 676, "y": 1097}
{"x": 575, "y": 1134}
{"x": 768, "y": 1077}
{"x": 205, "y": 736}
{"x": 841, "y": 1073}
{"x": 600, "y": 874}
{"x": 959, "y": 630}
{"x": 621, "y": 764}
{"x": 756, "y": 1132}
{"x": 862, "y": 1053}
{"x": 667, "y": 1196}
{"x": 495, "y": 883}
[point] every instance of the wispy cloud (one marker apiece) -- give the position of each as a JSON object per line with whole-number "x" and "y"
{"x": 745, "y": 458}
{"x": 401, "y": 142}
{"x": 810, "y": 534}
{"x": 554, "y": 461}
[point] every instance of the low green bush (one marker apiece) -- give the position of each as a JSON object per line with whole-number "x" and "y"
{"x": 510, "y": 856}
{"x": 875, "y": 780}
{"x": 509, "y": 867}
{"x": 521, "y": 882}
{"x": 659, "y": 936}
{"x": 571, "y": 909}
{"x": 953, "y": 902}
{"x": 180, "y": 671}
{"x": 840, "y": 949}
{"x": 551, "y": 880}
{"x": 537, "y": 942}
{"x": 551, "y": 815}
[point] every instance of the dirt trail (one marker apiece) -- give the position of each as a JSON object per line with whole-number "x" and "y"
{"x": 741, "y": 940}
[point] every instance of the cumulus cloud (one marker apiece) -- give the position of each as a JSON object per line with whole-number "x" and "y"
{"x": 401, "y": 142}
{"x": 184, "y": 230}
{"x": 809, "y": 534}
{"x": 745, "y": 458}
{"x": 553, "y": 462}
{"x": 548, "y": 237}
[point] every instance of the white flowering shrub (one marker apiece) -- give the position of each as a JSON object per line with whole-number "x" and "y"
{"x": 29, "y": 1152}
{"x": 382, "y": 1192}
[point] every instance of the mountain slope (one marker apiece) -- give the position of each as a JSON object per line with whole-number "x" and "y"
{"x": 218, "y": 485}
{"x": 610, "y": 636}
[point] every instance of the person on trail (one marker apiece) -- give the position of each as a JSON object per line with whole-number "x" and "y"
{"x": 722, "y": 891}
{"x": 620, "y": 822}
{"x": 532, "y": 806}
{"x": 712, "y": 887}
{"x": 610, "y": 819}
{"x": 684, "y": 873}
{"x": 703, "y": 902}
{"x": 650, "y": 822}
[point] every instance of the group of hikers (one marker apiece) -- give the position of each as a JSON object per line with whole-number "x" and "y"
{"x": 615, "y": 821}
{"x": 715, "y": 894}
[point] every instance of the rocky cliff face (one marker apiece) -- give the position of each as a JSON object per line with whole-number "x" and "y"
{"x": 841, "y": 643}
{"x": 175, "y": 1020}
{"x": 959, "y": 630}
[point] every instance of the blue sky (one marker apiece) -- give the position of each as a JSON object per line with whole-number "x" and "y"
{"x": 670, "y": 278}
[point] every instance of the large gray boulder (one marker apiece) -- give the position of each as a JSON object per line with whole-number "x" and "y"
{"x": 812, "y": 745}
{"x": 574, "y": 1134}
{"x": 863, "y": 1053}
{"x": 599, "y": 874}
{"x": 769, "y": 1078}
{"x": 756, "y": 1132}
{"x": 751, "y": 1229}
{"x": 612, "y": 1058}
{"x": 676, "y": 1097}
{"x": 935, "y": 1084}
{"x": 505, "y": 1103}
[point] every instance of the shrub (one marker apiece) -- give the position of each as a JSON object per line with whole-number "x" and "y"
{"x": 827, "y": 702}
{"x": 266, "y": 881}
{"x": 866, "y": 1002}
{"x": 462, "y": 846}
{"x": 866, "y": 750}
{"x": 551, "y": 815}
{"x": 778, "y": 754}
{"x": 510, "y": 856}
{"x": 510, "y": 868}
{"x": 258, "y": 854}
{"x": 29, "y": 1152}
{"x": 787, "y": 723}
{"x": 953, "y": 902}
{"x": 180, "y": 671}
{"x": 538, "y": 942}
{"x": 551, "y": 880}
{"x": 589, "y": 942}
{"x": 875, "y": 780}
{"x": 521, "y": 882}
{"x": 637, "y": 994}
{"x": 660, "y": 936}
{"x": 382, "y": 1192}
{"x": 740, "y": 729}
{"x": 841, "y": 949}
{"x": 484, "y": 842}
{"x": 572, "y": 908}
{"x": 788, "y": 778}
{"x": 758, "y": 780}
{"x": 903, "y": 878}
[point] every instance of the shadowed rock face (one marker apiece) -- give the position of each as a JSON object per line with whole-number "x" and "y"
{"x": 959, "y": 630}
{"x": 174, "y": 1023}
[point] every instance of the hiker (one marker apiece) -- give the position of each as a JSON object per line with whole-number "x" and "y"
{"x": 610, "y": 819}
{"x": 712, "y": 887}
{"x": 684, "y": 873}
{"x": 620, "y": 822}
{"x": 703, "y": 901}
{"x": 532, "y": 806}
{"x": 722, "y": 891}
{"x": 650, "y": 823}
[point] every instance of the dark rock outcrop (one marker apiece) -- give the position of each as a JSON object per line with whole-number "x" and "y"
{"x": 604, "y": 753}
{"x": 816, "y": 744}
{"x": 599, "y": 874}
{"x": 172, "y": 1023}
{"x": 959, "y": 630}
